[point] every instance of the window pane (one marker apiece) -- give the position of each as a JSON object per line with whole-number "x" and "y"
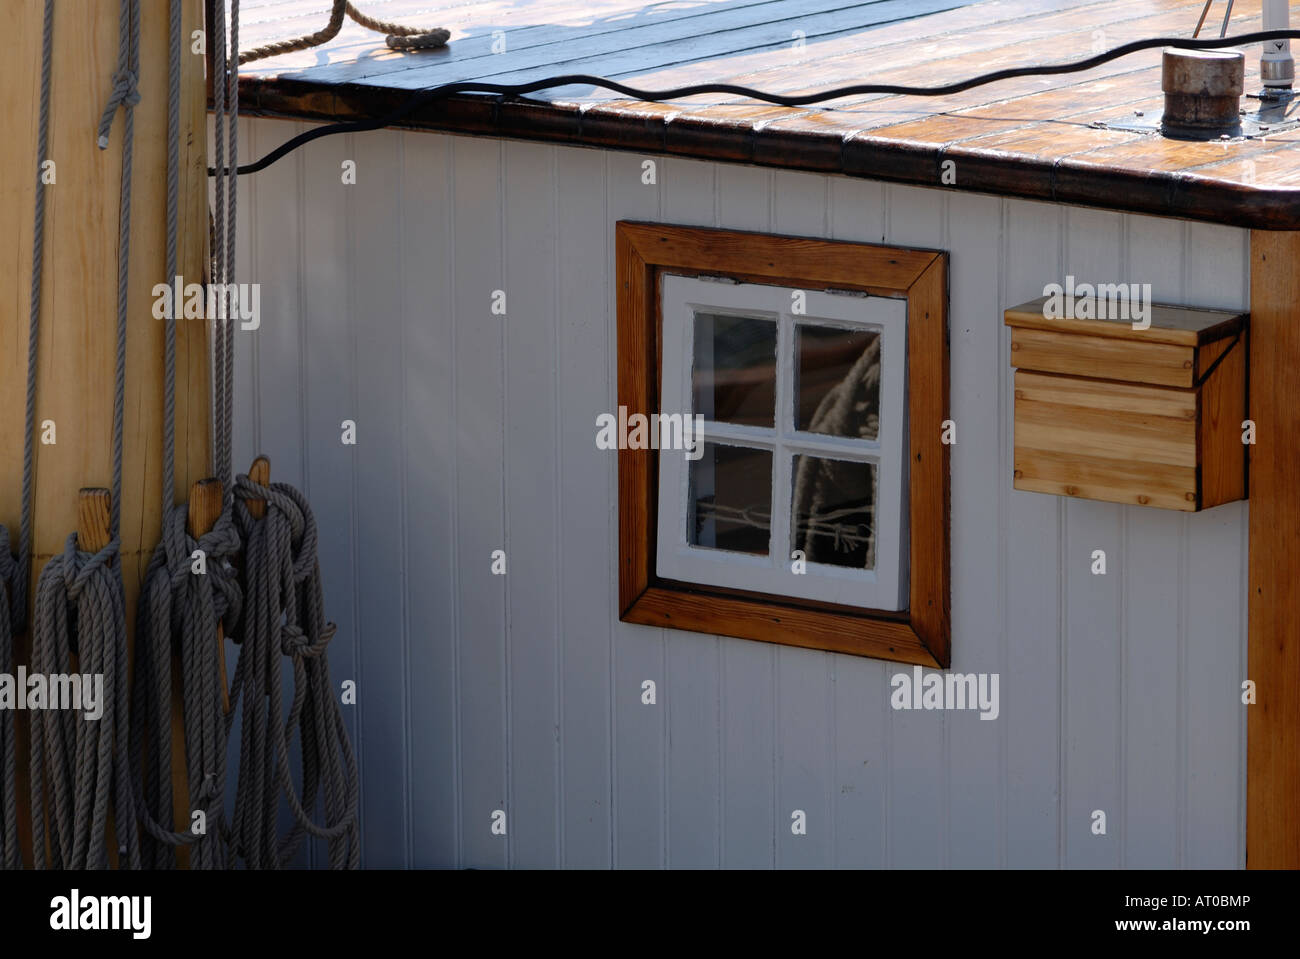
{"x": 734, "y": 375}
{"x": 730, "y": 499}
{"x": 833, "y": 511}
{"x": 837, "y": 381}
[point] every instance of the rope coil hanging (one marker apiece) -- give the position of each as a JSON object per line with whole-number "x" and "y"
{"x": 278, "y": 613}
{"x": 284, "y": 617}
{"x": 181, "y": 608}
{"x": 14, "y": 571}
{"x": 80, "y": 598}
{"x": 87, "y": 773}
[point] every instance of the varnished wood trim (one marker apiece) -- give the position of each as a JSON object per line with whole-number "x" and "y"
{"x": 776, "y": 623}
{"x": 921, "y": 634}
{"x": 787, "y": 260}
{"x": 928, "y": 460}
{"x": 637, "y": 389}
{"x": 654, "y": 128}
{"x": 1273, "y": 722}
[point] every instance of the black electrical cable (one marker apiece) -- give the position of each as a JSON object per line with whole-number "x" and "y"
{"x": 443, "y": 91}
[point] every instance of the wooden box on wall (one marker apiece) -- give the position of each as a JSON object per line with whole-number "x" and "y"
{"x": 1151, "y": 416}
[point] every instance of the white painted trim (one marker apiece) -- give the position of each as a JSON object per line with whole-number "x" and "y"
{"x": 883, "y": 588}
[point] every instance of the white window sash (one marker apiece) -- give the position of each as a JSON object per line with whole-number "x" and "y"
{"x": 885, "y": 587}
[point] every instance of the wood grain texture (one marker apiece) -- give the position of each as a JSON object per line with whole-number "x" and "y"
{"x": 929, "y": 487}
{"x": 78, "y": 320}
{"x": 1177, "y": 325}
{"x": 1105, "y": 358}
{"x": 787, "y": 626}
{"x": 260, "y": 473}
{"x": 642, "y": 251}
{"x": 1147, "y": 417}
{"x": 1035, "y": 137}
{"x": 1223, "y": 406}
{"x": 94, "y": 507}
{"x": 1273, "y": 725}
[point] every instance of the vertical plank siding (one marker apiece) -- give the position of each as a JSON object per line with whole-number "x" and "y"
{"x": 522, "y": 692}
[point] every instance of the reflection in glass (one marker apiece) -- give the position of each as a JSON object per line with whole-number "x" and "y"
{"x": 734, "y": 373}
{"x": 837, "y": 381}
{"x": 833, "y": 511}
{"x": 730, "y": 499}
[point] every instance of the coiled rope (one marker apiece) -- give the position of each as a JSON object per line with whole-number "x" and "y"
{"x": 399, "y": 37}
{"x": 284, "y": 616}
{"x": 182, "y": 607}
{"x": 14, "y": 571}
{"x": 83, "y": 761}
{"x": 282, "y": 611}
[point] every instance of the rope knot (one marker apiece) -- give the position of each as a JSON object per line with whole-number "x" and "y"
{"x": 126, "y": 93}
{"x": 79, "y": 566}
{"x": 295, "y": 642}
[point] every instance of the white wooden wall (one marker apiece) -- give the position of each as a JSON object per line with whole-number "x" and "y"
{"x": 522, "y": 692}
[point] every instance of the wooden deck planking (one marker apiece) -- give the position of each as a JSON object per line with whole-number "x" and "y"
{"x": 1028, "y": 137}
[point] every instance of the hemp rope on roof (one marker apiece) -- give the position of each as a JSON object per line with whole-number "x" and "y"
{"x": 399, "y": 37}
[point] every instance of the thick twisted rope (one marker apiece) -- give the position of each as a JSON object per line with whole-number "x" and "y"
{"x": 85, "y": 761}
{"x": 228, "y": 335}
{"x": 283, "y": 615}
{"x": 10, "y": 855}
{"x": 184, "y": 607}
{"x": 399, "y": 37}
{"x": 217, "y": 269}
{"x": 125, "y": 96}
{"x": 180, "y": 608}
{"x": 14, "y": 572}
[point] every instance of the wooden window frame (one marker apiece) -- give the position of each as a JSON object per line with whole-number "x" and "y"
{"x": 920, "y": 634}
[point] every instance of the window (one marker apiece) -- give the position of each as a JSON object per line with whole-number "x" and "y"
{"x": 809, "y": 505}
{"x": 801, "y": 459}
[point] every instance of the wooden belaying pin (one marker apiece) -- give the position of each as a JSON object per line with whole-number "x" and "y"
{"x": 259, "y": 473}
{"x": 94, "y": 509}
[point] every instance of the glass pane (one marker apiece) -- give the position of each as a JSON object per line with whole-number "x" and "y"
{"x": 734, "y": 373}
{"x": 730, "y": 499}
{"x": 837, "y": 381}
{"x": 833, "y": 511}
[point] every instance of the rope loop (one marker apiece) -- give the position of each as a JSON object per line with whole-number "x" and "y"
{"x": 126, "y": 93}
{"x": 296, "y": 643}
{"x": 290, "y": 504}
{"x": 81, "y": 567}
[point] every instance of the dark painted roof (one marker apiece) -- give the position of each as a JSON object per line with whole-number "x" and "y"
{"x": 1050, "y": 138}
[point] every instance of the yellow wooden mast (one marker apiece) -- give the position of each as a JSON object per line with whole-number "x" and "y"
{"x": 78, "y": 303}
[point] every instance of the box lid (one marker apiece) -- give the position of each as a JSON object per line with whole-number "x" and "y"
{"x": 1175, "y": 325}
